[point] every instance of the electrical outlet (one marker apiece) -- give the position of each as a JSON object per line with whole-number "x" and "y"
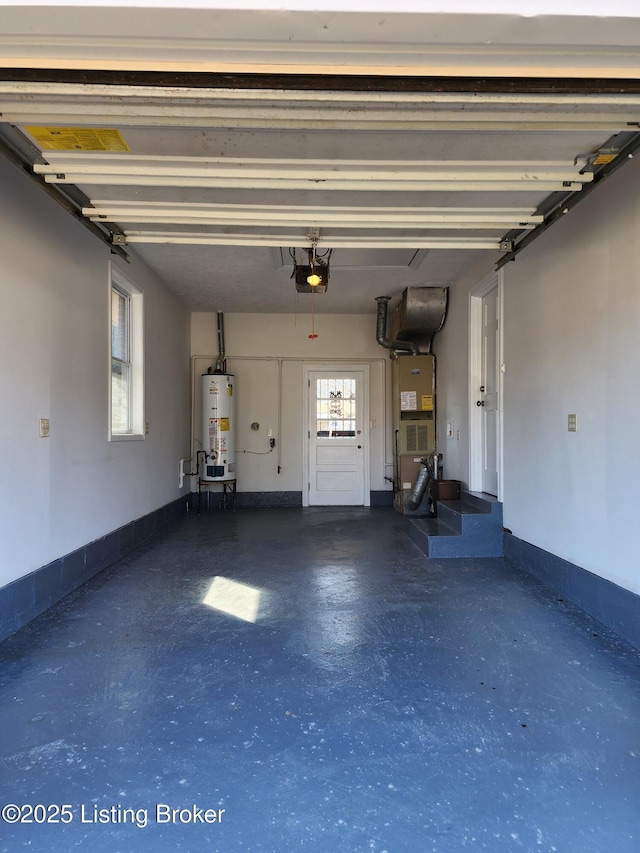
{"x": 44, "y": 427}
{"x": 572, "y": 423}
{"x": 269, "y": 433}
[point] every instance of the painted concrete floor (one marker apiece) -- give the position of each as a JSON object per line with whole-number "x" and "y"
{"x": 361, "y": 698}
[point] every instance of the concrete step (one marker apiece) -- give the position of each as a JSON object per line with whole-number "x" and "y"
{"x": 432, "y": 536}
{"x": 470, "y": 527}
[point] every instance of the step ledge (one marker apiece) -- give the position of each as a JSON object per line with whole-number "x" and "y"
{"x": 434, "y": 527}
{"x": 463, "y": 507}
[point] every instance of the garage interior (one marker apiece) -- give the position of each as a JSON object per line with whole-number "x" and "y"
{"x": 325, "y": 666}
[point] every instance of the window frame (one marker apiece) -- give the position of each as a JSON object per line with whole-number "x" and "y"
{"x": 120, "y": 284}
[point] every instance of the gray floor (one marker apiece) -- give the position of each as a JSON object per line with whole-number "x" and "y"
{"x": 357, "y": 697}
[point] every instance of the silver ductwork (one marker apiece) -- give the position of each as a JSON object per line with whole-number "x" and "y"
{"x": 428, "y": 471}
{"x": 381, "y": 330}
{"x": 420, "y": 315}
{"x": 414, "y": 498}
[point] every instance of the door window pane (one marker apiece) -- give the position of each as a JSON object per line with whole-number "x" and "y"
{"x": 335, "y": 408}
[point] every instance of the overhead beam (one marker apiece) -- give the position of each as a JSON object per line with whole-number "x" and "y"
{"x": 146, "y": 106}
{"x": 459, "y": 185}
{"x": 333, "y": 241}
{"x": 291, "y": 215}
{"x": 340, "y": 175}
{"x": 328, "y": 79}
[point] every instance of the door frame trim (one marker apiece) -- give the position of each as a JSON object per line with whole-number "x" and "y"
{"x": 476, "y": 295}
{"x": 356, "y": 367}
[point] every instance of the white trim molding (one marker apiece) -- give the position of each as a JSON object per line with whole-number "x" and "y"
{"x": 476, "y": 295}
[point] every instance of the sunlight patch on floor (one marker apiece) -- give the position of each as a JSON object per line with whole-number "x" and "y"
{"x": 234, "y": 598}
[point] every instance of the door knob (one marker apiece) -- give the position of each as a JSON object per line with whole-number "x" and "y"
{"x": 359, "y": 447}
{"x": 480, "y": 403}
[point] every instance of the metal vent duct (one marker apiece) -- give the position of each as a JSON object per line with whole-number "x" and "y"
{"x": 420, "y": 314}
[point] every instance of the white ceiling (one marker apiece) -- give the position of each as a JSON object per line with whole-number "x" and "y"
{"x": 219, "y": 177}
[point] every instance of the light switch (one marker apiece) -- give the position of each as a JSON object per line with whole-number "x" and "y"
{"x": 44, "y": 427}
{"x": 572, "y": 423}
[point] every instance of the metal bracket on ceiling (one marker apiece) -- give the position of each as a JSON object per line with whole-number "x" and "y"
{"x": 626, "y": 144}
{"x": 18, "y": 149}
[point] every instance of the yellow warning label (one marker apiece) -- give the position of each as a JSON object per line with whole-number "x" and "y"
{"x": 78, "y": 138}
{"x": 427, "y": 402}
{"x": 224, "y": 424}
{"x": 603, "y": 159}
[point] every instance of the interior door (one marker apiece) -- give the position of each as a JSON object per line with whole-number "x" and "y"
{"x": 336, "y": 438}
{"x": 488, "y": 392}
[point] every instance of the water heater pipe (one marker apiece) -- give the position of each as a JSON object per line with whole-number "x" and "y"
{"x": 221, "y": 359}
{"x": 381, "y": 330}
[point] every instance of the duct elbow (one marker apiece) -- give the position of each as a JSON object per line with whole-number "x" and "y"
{"x": 414, "y": 498}
{"x": 381, "y": 330}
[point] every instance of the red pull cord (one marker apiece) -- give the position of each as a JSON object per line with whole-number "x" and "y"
{"x": 313, "y": 316}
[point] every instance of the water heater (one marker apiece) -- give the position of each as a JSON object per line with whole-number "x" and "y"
{"x": 218, "y": 428}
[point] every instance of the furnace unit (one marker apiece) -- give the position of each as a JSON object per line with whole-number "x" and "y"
{"x": 413, "y": 391}
{"x": 420, "y": 314}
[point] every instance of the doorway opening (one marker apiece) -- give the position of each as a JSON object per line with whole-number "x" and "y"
{"x": 486, "y": 371}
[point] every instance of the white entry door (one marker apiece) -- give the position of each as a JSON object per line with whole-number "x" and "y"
{"x": 336, "y": 438}
{"x": 488, "y": 391}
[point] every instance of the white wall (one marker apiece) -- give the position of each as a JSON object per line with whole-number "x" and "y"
{"x": 60, "y": 493}
{"x": 571, "y": 345}
{"x": 572, "y": 323}
{"x": 258, "y": 347}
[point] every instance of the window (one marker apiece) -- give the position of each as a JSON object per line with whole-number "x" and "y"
{"x": 126, "y": 356}
{"x": 335, "y": 408}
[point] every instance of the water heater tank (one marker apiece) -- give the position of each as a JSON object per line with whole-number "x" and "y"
{"x": 218, "y": 428}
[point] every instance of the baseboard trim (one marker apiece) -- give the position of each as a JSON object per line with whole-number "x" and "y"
{"x": 212, "y": 500}
{"x": 612, "y": 605}
{"x": 29, "y": 596}
{"x": 269, "y": 499}
{"x": 381, "y": 498}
